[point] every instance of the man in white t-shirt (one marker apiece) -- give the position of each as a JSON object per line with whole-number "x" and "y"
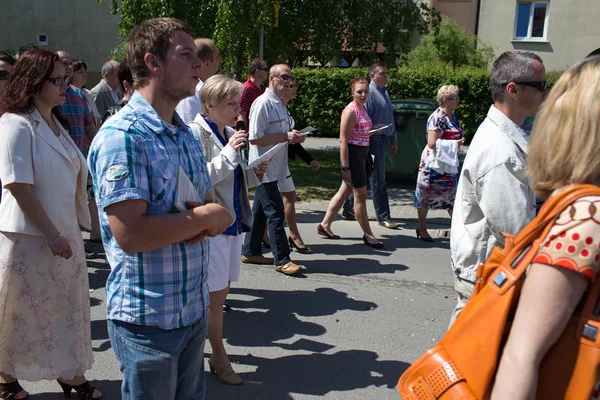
{"x": 270, "y": 126}
{"x": 188, "y": 108}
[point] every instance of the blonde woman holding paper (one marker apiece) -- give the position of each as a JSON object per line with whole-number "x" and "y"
{"x": 230, "y": 181}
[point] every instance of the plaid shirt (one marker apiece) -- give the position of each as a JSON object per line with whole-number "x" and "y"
{"x": 136, "y": 156}
{"x": 76, "y": 110}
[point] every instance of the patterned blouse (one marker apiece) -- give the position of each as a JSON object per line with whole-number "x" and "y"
{"x": 362, "y": 126}
{"x": 574, "y": 240}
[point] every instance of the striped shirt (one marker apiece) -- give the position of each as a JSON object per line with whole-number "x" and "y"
{"x": 250, "y": 93}
{"x": 76, "y": 110}
{"x": 135, "y": 156}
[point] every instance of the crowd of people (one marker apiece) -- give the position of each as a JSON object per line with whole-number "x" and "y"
{"x": 172, "y": 148}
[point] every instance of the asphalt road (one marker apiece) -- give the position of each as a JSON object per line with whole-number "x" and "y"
{"x": 346, "y": 328}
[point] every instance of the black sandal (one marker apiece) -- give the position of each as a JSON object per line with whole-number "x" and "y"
{"x": 85, "y": 390}
{"x": 9, "y": 391}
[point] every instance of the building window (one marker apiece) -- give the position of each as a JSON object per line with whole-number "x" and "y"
{"x": 42, "y": 39}
{"x": 531, "y": 22}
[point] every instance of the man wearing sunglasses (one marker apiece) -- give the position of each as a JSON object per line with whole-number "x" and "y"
{"x": 493, "y": 193}
{"x": 269, "y": 126}
{"x": 253, "y": 87}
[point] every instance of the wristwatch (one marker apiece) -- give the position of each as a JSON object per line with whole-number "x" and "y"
{"x": 344, "y": 169}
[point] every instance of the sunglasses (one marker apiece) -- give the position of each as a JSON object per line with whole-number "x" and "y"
{"x": 59, "y": 81}
{"x": 542, "y": 86}
{"x": 4, "y": 75}
{"x": 284, "y": 77}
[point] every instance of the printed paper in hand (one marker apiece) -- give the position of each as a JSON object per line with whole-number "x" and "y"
{"x": 256, "y": 162}
{"x": 185, "y": 191}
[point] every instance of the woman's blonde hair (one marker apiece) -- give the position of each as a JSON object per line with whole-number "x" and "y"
{"x": 218, "y": 89}
{"x": 445, "y": 92}
{"x": 565, "y": 142}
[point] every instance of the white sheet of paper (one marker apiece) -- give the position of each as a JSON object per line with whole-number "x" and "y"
{"x": 380, "y": 129}
{"x": 255, "y": 163}
{"x": 307, "y": 131}
{"x": 185, "y": 191}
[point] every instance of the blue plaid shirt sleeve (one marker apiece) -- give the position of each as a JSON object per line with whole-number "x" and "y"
{"x": 119, "y": 168}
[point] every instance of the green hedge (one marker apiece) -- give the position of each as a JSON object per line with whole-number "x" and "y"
{"x": 323, "y": 93}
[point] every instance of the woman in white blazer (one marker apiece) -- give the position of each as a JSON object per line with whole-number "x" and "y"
{"x": 230, "y": 181}
{"x": 45, "y": 320}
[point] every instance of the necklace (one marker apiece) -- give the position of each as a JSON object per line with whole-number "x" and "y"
{"x": 52, "y": 127}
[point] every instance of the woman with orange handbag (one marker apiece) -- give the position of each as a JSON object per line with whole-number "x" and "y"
{"x": 563, "y": 151}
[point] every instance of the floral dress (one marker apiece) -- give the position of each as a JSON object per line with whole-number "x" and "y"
{"x": 45, "y": 319}
{"x": 435, "y": 190}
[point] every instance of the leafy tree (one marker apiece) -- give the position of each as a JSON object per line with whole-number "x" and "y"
{"x": 451, "y": 44}
{"x": 319, "y": 28}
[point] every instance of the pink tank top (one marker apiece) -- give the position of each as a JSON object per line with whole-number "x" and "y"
{"x": 362, "y": 126}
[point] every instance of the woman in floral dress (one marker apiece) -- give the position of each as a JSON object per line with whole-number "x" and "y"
{"x": 45, "y": 317}
{"x": 437, "y": 190}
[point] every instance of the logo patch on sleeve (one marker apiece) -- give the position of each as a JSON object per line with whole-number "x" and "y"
{"x": 117, "y": 173}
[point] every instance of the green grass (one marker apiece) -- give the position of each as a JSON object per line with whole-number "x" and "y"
{"x": 317, "y": 185}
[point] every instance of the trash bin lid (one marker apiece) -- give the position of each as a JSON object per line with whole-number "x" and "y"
{"x": 404, "y": 105}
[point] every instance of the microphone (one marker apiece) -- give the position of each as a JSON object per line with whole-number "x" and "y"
{"x": 241, "y": 126}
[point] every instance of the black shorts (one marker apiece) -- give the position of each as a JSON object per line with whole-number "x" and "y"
{"x": 360, "y": 165}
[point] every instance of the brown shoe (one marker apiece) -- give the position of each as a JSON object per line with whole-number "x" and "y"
{"x": 224, "y": 373}
{"x": 262, "y": 260}
{"x": 288, "y": 269}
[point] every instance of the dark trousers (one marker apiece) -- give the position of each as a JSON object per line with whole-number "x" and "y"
{"x": 268, "y": 211}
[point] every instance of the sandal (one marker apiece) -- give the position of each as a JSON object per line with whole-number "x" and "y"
{"x": 9, "y": 391}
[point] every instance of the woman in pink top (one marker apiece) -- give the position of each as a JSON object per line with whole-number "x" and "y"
{"x": 355, "y": 130}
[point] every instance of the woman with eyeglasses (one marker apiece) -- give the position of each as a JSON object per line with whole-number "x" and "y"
{"x": 79, "y": 80}
{"x": 45, "y": 320}
{"x": 286, "y": 187}
{"x": 436, "y": 184}
{"x": 355, "y": 130}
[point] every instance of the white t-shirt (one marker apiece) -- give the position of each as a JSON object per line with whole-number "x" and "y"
{"x": 268, "y": 116}
{"x": 188, "y": 108}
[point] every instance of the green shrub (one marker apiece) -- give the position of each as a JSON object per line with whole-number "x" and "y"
{"x": 323, "y": 93}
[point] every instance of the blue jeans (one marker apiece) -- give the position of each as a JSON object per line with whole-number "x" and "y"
{"x": 268, "y": 211}
{"x": 160, "y": 364}
{"x": 378, "y": 145}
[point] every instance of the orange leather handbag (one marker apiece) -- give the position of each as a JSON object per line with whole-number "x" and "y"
{"x": 463, "y": 364}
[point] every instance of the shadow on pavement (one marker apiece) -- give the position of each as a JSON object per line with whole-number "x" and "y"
{"x": 280, "y": 321}
{"x": 351, "y": 266}
{"x": 311, "y": 374}
{"x": 111, "y": 390}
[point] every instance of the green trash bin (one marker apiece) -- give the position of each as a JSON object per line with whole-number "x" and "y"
{"x": 410, "y": 117}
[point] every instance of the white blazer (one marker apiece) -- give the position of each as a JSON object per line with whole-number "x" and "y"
{"x": 30, "y": 153}
{"x": 221, "y": 162}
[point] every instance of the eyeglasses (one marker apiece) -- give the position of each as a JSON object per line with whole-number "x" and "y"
{"x": 542, "y": 86}
{"x": 453, "y": 98}
{"x": 263, "y": 69}
{"x": 59, "y": 81}
{"x": 4, "y": 75}
{"x": 284, "y": 77}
